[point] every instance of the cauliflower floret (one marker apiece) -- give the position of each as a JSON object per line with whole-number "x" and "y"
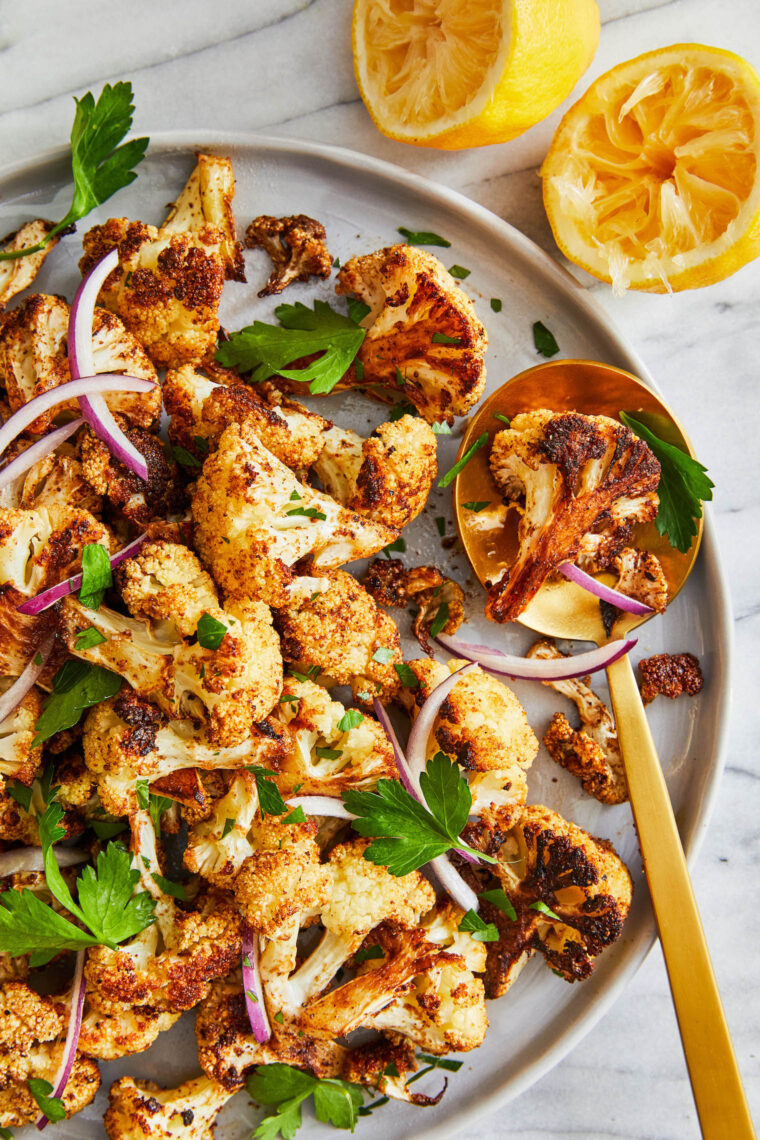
{"x": 641, "y": 576}
{"x": 391, "y": 583}
{"x": 424, "y": 341}
{"x": 207, "y": 200}
{"x": 17, "y": 757}
{"x": 324, "y": 759}
{"x": 165, "y": 581}
{"x": 482, "y": 725}
{"x": 140, "y": 1110}
{"x": 137, "y": 500}
{"x": 120, "y": 1031}
{"x": 578, "y": 481}
{"x": 296, "y": 245}
{"x": 342, "y": 632}
{"x": 201, "y": 409}
{"x": 387, "y": 477}
{"x": 218, "y": 846}
{"x": 254, "y": 521}
{"x": 670, "y": 674}
{"x": 34, "y": 358}
{"x": 593, "y": 752}
{"x": 56, "y": 480}
{"x": 18, "y": 274}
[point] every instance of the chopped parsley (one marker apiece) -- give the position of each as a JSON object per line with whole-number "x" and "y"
{"x": 367, "y": 953}
{"x": 357, "y": 310}
{"x": 399, "y": 545}
{"x": 423, "y": 237}
{"x": 96, "y": 575}
{"x": 328, "y": 753}
{"x": 284, "y": 1088}
{"x": 76, "y": 686}
{"x": 479, "y": 929}
{"x": 308, "y": 513}
{"x": 88, "y": 638}
{"x": 499, "y": 899}
{"x": 502, "y": 418}
{"x": 407, "y": 675}
{"x": 544, "y": 340}
{"x": 440, "y": 429}
{"x": 440, "y": 523}
{"x": 459, "y": 271}
{"x": 185, "y": 457}
{"x": 496, "y": 304}
{"x": 383, "y": 655}
{"x": 477, "y": 507}
{"x": 229, "y": 825}
{"x": 452, "y": 473}
{"x": 351, "y": 718}
{"x": 542, "y": 908}
{"x": 439, "y": 621}
{"x": 210, "y": 632}
{"x": 441, "y": 338}
{"x": 49, "y": 1105}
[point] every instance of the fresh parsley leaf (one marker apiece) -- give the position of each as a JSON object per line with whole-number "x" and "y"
{"x": 357, "y": 309}
{"x": 446, "y": 793}
{"x": 452, "y": 473}
{"x": 229, "y": 825}
{"x": 20, "y": 793}
{"x": 481, "y": 931}
{"x": 294, "y": 496}
{"x": 423, "y": 237}
{"x": 169, "y": 887}
{"x": 440, "y": 1062}
{"x": 310, "y": 674}
{"x": 496, "y": 304}
{"x": 359, "y": 369}
{"x": 544, "y": 340}
{"x": 441, "y": 338}
{"x": 89, "y": 638}
{"x": 399, "y": 545}
{"x": 37, "y": 659}
{"x": 403, "y": 409}
{"x": 30, "y": 926}
{"x": 76, "y": 686}
{"x": 109, "y": 907}
{"x": 201, "y": 443}
{"x": 460, "y": 272}
{"x": 210, "y": 632}
{"x": 99, "y": 165}
{"x": 351, "y": 718}
{"x": 335, "y": 1101}
{"x": 477, "y": 507}
{"x": 440, "y": 523}
{"x": 499, "y": 899}
{"x": 265, "y": 350}
{"x": 288, "y": 698}
{"x": 684, "y": 485}
{"x": 298, "y": 815}
{"x": 336, "y": 263}
{"x": 51, "y": 1106}
{"x": 142, "y": 791}
{"x": 108, "y": 828}
{"x": 285, "y": 1121}
{"x": 407, "y": 675}
{"x": 383, "y": 655}
{"x": 270, "y": 799}
{"x": 440, "y": 429}
{"x": 279, "y": 1017}
{"x": 307, "y": 513}
{"x": 185, "y": 457}
{"x": 6, "y": 1134}
{"x": 400, "y": 379}
{"x": 368, "y": 952}
{"x": 504, "y": 419}
{"x": 441, "y": 618}
{"x": 157, "y": 805}
{"x": 542, "y": 908}
{"x": 328, "y": 753}
{"x": 96, "y": 575}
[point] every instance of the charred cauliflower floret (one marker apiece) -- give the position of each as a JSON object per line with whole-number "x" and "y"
{"x": 17, "y": 757}
{"x": 342, "y": 632}
{"x": 323, "y": 758}
{"x": 641, "y": 576}
{"x": 254, "y": 521}
{"x": 578, "y": 481}
{"x": 55, "y": 480}
{"x": 592, "y": 753}
{"x": 482, "y": 725}
{"x": 17, "y": 275}
{"x": 201, "y": 408}
{"x": 424, "y": 342}
{"x": 387, "y": 477}
{"x": 39, "y": 548}
{"x": 120, "y": 1031}
{"x": 207, "y": 201}
{"x": 670, "y": 674}
{"x": 136, "y": 500}
{"x": 296, "y": 245}
{"x": 143, "y": 1110}
{"x": 391, "y": 583}
{"x": 34, "y": 358}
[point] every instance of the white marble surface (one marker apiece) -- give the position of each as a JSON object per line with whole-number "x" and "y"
{"x": 284, "y": 67}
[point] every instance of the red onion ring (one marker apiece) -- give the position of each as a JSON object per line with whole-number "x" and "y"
{"x": 37, "y": 451}
{"x": 103, "y": 382}
{"x": 321, "y": 805}
{"x": 21, "y": 686}
{"x": 40, "y": 602}
{"x": 252, "y": 988}
{"x": 525, "y": 669}
{"x": 72, "y": 1035}
{"x": 30, "y": 859}
{"x": 416, "y": 747}
{"x": 604, "y": 593}
{"x": 82, "y": 363}
{"x": 453, "y": 883}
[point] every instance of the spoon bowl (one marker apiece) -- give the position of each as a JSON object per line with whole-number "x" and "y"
{"x": 561, "y": 608}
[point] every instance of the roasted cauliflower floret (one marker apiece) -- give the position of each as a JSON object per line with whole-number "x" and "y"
{"x": 137, "y": 500}
{"x": 296, "y": 245}
{"x": 118, "y": 1032}
{"x": 201, "y": 408}
{"x": 17, "y": 275}
{"x": 39, "y": 548}
{"x": 641, "y": 576}
{"x": 323, "y": 758}
{"x": 592, "y": 753}
{"x": 254, "y": 521}
{"x": 424, "y": 341}
{"x": 143, "y": 1110}
{"x": 164, "y": 581}
{"x": 57, "y": 479}
{"x": 17, "y": 757}
{"x": 482, "y": 725}
{"x": 392, "y": 584}
{"x": 342, "y": 632}
{"x": 670, "y": 674}
{"x": 578, "y": 481}
{"x": 34, "y": 358}
{"x": 387, "y": 477}
{"x": 218, "y": 846}
{"x": 207, "y": 201}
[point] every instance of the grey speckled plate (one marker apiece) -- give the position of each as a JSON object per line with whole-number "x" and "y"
{"x": 361, "y": 201}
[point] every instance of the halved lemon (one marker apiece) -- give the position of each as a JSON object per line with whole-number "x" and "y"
{"x": 652, "y": 179}
{"x": 462, "y": 73}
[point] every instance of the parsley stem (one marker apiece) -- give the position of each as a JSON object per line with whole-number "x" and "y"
{"x": 474, "y": 851}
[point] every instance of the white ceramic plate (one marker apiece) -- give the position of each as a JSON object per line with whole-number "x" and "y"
{"x": 361, "y": 202}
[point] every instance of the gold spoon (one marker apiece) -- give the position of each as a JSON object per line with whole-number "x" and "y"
{"x": 563, "y": 609}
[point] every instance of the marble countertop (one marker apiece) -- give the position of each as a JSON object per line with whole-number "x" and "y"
{"x": 283, "y": 67}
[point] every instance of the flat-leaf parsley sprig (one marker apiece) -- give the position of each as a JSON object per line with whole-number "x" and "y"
{"x": 406, "y": 834}
{"x": 285, "y": 1088}
{"x": 99, "y": 165}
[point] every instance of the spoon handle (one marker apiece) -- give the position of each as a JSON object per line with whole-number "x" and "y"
{"x": 715, "y": 1079}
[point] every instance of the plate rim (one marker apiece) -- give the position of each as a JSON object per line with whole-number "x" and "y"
{"x": 362, "y": 163}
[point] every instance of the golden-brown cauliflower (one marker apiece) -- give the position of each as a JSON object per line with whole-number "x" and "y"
{"x": 641, "y": 576}
{"x": 424, "y": 341}
{"x": 578, "y": 481}
{"x": 18, "y": 275}
{"x": 387, "y": 477}
{"x": 17, "y": 757}
{"x": 33, "y": 359}
{"x": 207, "y": 200}
{"x": 341, "y": 632}
{"x": 482, "y": 725}
{"x": 129, "y": 497}
{"x": 296, "y": 245}
{"x": 143, "y": 1110}
{"x": 392, "y": 584}
{"x": 121, "y": 1030}
{"x": 254, "y": 521}
{"x": 56, "y": 479}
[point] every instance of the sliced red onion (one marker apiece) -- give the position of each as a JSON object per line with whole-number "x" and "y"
{"x": 40, "y": 602}
{"x": 400, "y": 758}
{"x": 30, "y": 859}
{"x": 416, "y": 747}
{"x": 525, "y": 669}
{"x": 72, "y": 389}
{"x": 321, "y": 805}
{"x": 252, "y": 988}
{"x": 21, "y": 686}
{"x": 37, "y": 451}
{"x": 453, "y": 883}
{"x": 82, "y": 363}
{"x": 72, "y": 1035}
{"x": 604, "y": 593}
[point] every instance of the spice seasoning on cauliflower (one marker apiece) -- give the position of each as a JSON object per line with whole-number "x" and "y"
{"x": 296, "y": 245}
